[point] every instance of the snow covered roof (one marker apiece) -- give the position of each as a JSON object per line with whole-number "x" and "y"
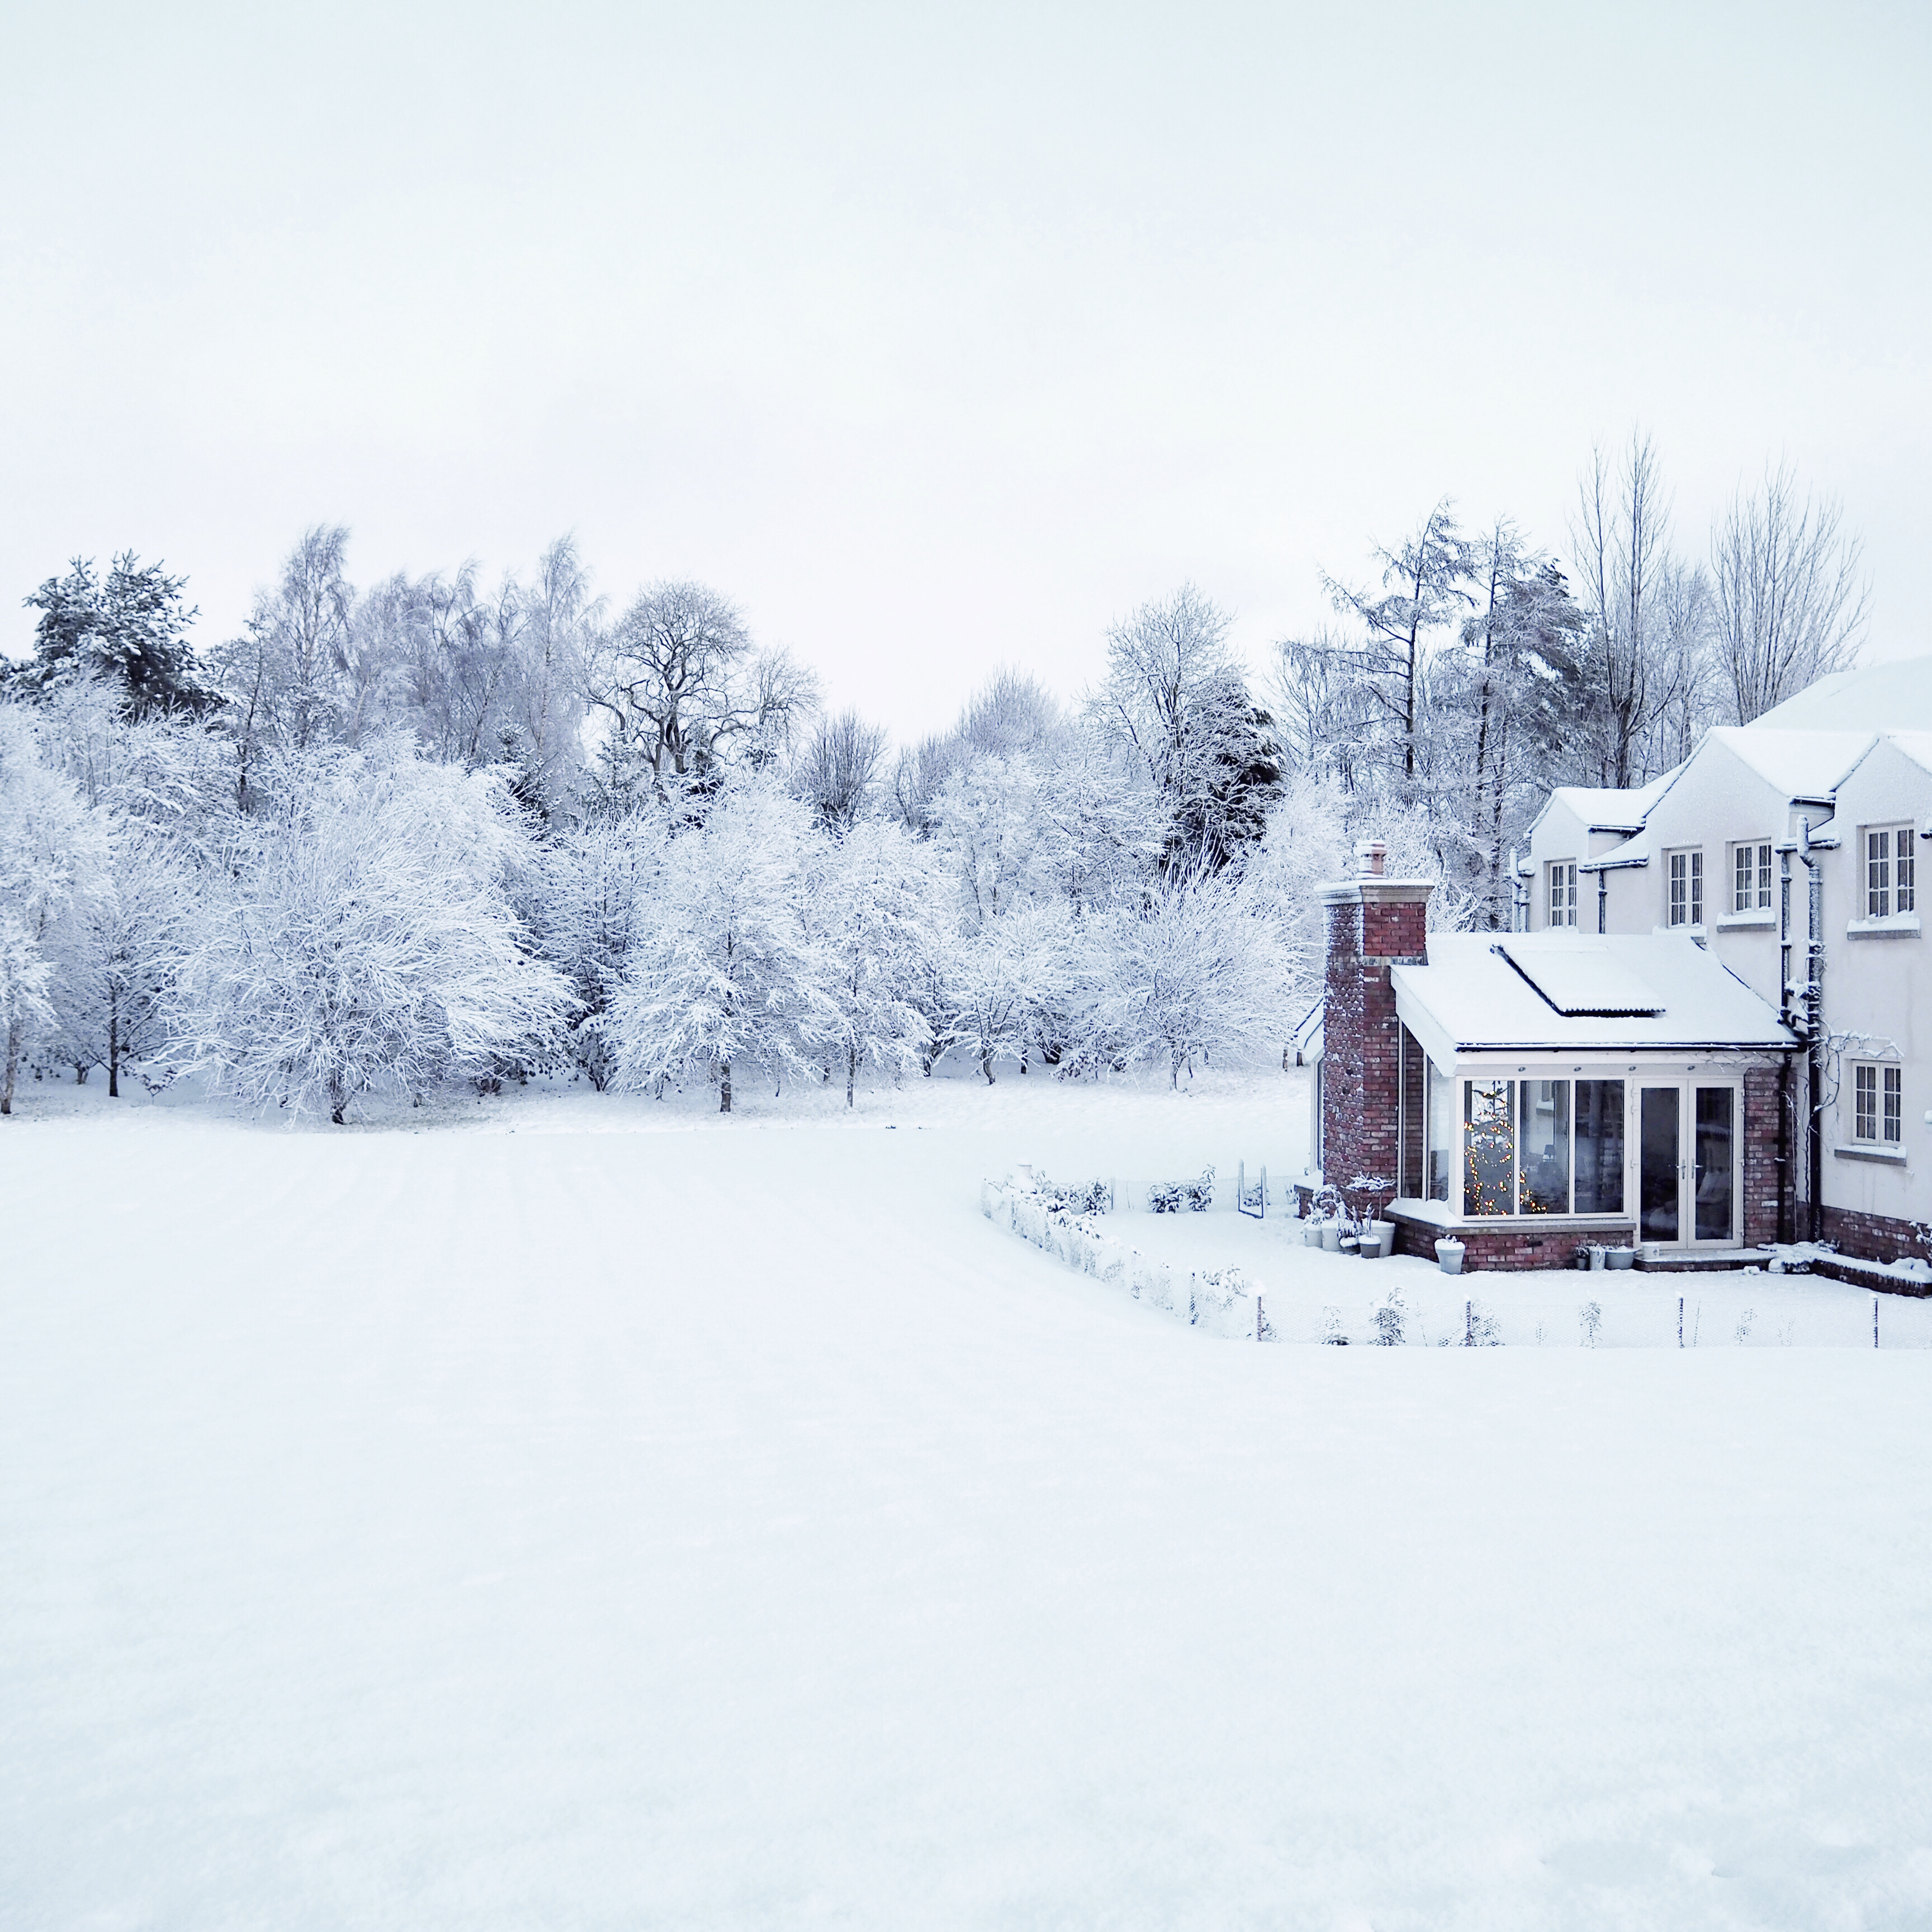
{"x": 1567, "y": 992}
{"x": 1608, "y": 809}
{"x": 1795, "y": 764}
{"x": 1881, "y": 697}
{"x": 1917, "y": 745}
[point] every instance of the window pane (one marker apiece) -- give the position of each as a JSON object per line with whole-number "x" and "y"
{"x": 1600, "y": 1147}
{"x": 1716, "y": 1106}
{"x": 1696, "y": 888}
{"x": 1894, "y": 1102}
{"x": 1660, "y": 1163}
{"x": 1764, "y": 878}
{"x": 1542, "y": 1187}
{"x": 1679, "y": 879}
{"x": 1904, "y": 874}
{"x": 1441, "y": 1133}
{"x": 1744, "y": 866}
{"x": 1864, "y": 1103}
{"x": 1878, "y": 874}
{"x": 1488, "y": 1164}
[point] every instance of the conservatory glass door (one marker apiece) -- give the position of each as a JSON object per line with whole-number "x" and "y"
{"x": 1659, "y": 1182}
{"x": 1714, "y": 1167}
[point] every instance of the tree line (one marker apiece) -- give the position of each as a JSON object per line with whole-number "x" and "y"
{"x": 434, "y": 829}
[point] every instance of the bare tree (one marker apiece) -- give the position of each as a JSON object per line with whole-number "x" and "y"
{"x": 1422, "y": 589}
{"x": 1635, "y": 660}
{"x": 839, "y": 768}
{"x": 1790, "y": 594}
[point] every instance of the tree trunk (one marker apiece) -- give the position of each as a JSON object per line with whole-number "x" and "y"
{"x": 851, "y": 1071}
{"x": 986, "y": 1065}
{"x": 12, "y": 1067}
{"x": 114, "y": 1052}
{"x": 723, "y": 1086}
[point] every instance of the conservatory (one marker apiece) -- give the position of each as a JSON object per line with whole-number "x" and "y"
{"x": 1552, "y": 1089}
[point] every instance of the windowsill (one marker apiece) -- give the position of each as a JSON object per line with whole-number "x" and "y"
{"x": 1696, "y": 932}
{"x": 1899, "y": 925}
{"x": 1764, "y": 916}
{"x": 1885, "y": 1156}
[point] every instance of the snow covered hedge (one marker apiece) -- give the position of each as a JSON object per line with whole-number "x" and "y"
{"x": 1220, "y": 1301}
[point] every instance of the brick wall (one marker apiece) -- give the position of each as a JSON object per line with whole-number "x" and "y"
{"x": 1763, "y": 1220}
{"x": 1517, "y": 1246}
{"x": 1873, "y": 1238}
{"x": 1371, "y": 925}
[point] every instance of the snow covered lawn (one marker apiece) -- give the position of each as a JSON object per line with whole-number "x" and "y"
{"x": 542, "y": 1519}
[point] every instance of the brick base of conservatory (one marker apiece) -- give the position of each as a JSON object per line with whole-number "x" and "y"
{"x": 1520, "y": 1245}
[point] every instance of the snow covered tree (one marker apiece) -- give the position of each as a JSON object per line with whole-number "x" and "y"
{"x": 1198, "y": 969}
{"x": 838, "y": 769}
{"x": 723, "y": 971}
{"x": 872, "y": 937}
{"x": 596, "y": 881}
{"x": 1003, "y": 976}
{"x": 51, "y": 850}
{"x": 128, "y": 631}
{"x": 360, "y": 932}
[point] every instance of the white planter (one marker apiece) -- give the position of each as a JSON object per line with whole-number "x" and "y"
{"x": 1620, "y": 1258}
{"x": 1449, "y": 1253}
{"x": 1311, "y": 1234}
{"x": 1331, "y": 1237}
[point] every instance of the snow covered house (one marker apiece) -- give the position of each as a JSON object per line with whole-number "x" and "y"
{"x": 1788, "y": 850}
{"x": 1529, "y": 1093}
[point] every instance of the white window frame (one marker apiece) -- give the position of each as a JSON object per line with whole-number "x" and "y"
{"x": 1684, "y": 886}
{"x": 1890, "y": 859}
{"x": 1560, "y": 892}
{"x": 1751, "y": 881}
{"x": 1878, "y": 1103}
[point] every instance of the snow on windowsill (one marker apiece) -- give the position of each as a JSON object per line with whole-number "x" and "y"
{"x": 1891, "y": 1157}
{"x": 1764, "y": 915}
{"x": 1898, "y": 925}
{"x": 1436, "y": 1214}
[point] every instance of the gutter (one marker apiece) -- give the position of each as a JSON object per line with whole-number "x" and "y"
{"x": 1603, "y": 867}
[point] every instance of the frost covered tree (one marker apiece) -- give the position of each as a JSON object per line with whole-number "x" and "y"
{"x": 360, "y": 933}
{"x": 1198, "y": 970}
{"x": 839, "y": 768}
{"x": 1003, "y": 977}
{"x": 872, "y": 938}
{"x": 51, "y": 852}
{"x": 597, "y": 880}
{"x": 127, "y": 630}
{"x": 725, "y": 971}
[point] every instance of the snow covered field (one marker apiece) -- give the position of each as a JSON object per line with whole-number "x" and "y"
{"x": 522, "y": 1515}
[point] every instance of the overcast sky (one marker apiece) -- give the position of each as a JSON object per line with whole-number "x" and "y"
{"x": 940, "y": 337}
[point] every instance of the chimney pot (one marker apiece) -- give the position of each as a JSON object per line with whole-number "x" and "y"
{"x": 1371, "y": 855}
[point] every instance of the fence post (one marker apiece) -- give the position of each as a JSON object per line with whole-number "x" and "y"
{"x": 1874, "y": 1322}
{"x": 1468, "y": 1325}
{"x": 1680, "y": 1320}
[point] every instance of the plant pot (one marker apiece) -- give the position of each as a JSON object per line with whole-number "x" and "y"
{"x": 1383, "y": 1234}
{"x": 1596, "y": 1259}
{"x": 1371, "y": 1248}
{"x": 1449, "y": 1255}
{"x": 1620, "y": 1258}
{"x": 1311, "y": 1234}
{"x": 1331, "y": 1237}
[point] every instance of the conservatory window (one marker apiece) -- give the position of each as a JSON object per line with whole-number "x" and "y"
{"x": 1489, "y": 1147}
{"x": 1441, "y": 1135}
{"x": 1539, "y": 1147}
{"x": 1751, "y": 876}
{"x": 1563, "y": 892}
{"x": 1685, "y": 874}
{"x": 1891, "y": 871}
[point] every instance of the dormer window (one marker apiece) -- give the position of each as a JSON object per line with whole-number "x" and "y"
{"x": 1563, "y": 892}
{"x": 1891, "y": 871}
{"x": 1684, "y": 874}
{"x": 1751, "y": 876}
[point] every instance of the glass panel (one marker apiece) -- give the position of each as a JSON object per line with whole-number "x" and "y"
{"x": 1905, "y": 873}
{"x": 1543, "y": 1185}
{"x": 1743, "y": 894}
{"x": 1488, "y": 1165}
{"x": 1600, "y": 1147}
{"x": 1696, "y": 888}
{"x": 1677, "y": 878}
{"x": 1764, "y": 878}
{"x": 1441, "y": 1145}
{"x": 1657, "y": 1159}
{"x": 1715, "y": 1107}
{"x": 1894, "y": 1102}
{"x": 1878, "y": 875}
{"x": 1864, "y": 1103}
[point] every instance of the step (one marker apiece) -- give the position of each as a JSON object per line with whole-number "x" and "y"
{"x": 1703, "y": 1260}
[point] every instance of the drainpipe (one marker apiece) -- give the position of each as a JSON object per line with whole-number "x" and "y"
{"x": 1602, "y": 902}
{"x": 1787, "y": 1192}
{"x": 1813, "y": 1030}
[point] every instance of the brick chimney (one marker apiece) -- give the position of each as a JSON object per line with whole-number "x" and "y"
{"x": 1374, "y": 923}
